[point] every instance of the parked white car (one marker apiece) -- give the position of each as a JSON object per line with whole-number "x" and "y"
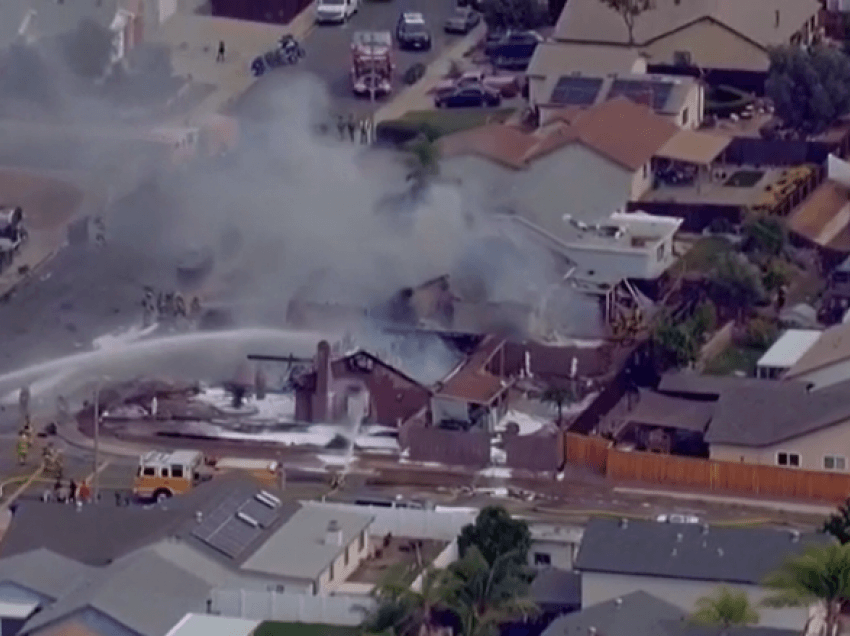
{"x": 336, "y": 11}
{"x": 677, "y": 518}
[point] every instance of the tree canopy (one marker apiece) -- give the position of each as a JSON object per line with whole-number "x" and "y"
{"x": 496, "y": 534}
{"x": 629, "y": 11}
{"x": 838, "y": 523}
{"x": 810, "y": 89}
{"x": 514, "y": 14}
{"x": 737, "y": 282}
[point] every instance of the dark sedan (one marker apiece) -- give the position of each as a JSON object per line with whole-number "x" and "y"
{"x": 468, "y": 97}
{"x": 412, "y": 33}
{"x": 463, "y": 21}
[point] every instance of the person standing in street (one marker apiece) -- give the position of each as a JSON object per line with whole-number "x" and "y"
{"x": 352, "y": 127}
{"x": 364, "y": 131}
{"x": 340, "y": 126}
{"x": 72, "y": 492}
{"x": 220, "y": 56}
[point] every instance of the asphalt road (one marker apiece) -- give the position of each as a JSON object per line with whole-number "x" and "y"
{"x": 328, "y": 56}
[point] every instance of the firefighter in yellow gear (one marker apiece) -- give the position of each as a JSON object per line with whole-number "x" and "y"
{"x": 23, "y": 448}
{"x": 52, "y": 460}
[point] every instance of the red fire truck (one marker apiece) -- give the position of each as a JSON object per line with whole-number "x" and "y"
{"x": 371, "y": 63}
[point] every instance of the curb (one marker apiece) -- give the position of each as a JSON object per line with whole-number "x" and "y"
{"x": 81, "y": 442}
{"x": 33, "y": 270}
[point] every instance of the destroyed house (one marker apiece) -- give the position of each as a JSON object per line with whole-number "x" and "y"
{"x": 334, "y": 387}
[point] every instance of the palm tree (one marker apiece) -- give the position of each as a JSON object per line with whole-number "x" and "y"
{"x": 820, "y": 575}
{"x": 726, "y": 607}
{"x": 489, "y": 595}
{"x": 403, "y": 611}
{"x": 423, "y": 164}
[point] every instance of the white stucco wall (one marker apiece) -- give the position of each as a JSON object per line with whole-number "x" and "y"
{"x": 597, "y": 588}
{"x": 827, "y": 376}
{"x": 561, "y": 554}
{"x": 341, "y": 569}
{"x": 573, "y": 180}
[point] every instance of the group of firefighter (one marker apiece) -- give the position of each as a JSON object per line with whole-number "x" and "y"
{"x": 167, "y": 307}
{"x": 51, "y": 459}
{"x": 351, "y": 126}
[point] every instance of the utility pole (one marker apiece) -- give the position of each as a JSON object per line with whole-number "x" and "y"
{"x": 95, "y": 476}
{"x": 373, "y": 79}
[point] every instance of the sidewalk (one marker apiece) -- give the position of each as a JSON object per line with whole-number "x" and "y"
{"x": 751, "y": 502}
{"x": 194, "y": 40}
{"x": 418, "y": 96}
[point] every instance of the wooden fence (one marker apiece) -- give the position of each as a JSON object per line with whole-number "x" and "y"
{"x": 584, "y": 450}
{"x": 701, "y": 474}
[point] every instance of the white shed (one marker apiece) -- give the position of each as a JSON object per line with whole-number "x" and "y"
{"x": 786, "y": 352}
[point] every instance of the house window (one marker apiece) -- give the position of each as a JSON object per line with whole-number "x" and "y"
{"x": 685, "y": 117}
{"x": 681, "y": 58}
{"x": 788, "y": 459}
{"x": 345, "y": 557}
{"x": 542, "y": 559}
{"x": 331, "y": 573}
{"x": 835, "y": 462}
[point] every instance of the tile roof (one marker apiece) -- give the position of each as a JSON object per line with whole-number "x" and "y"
{"x": 636, "y": 614}
{"x": 823, "y": 215}
{"x": 626, "y": 133}
{"x": 471, "y": 381}
{"x": 755, "y": 20}
{"x": 687, "y": 551}
{"x": 766, "y": 413}
{"x": 832, "y": 347}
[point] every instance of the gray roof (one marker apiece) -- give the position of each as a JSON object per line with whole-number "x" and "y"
{"x": 697, "y": 384}
{"x": 678, "y": 628}
{"x": 637, "y": 614}
{"x": 768, "y": 412}
{"x": 554, "y": 586}
{"x": 99, "y": 534}
{"x": 687, "y": 551}
{"x": 299, "y": 550}
{"x": 142, "y": 592}
{"x": 43, "y": 572}
{"x": 657, "y": 409}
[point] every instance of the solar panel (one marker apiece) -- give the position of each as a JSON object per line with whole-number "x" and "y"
{"x": 576, "y": 91}
{"x": 260, "y": 512}
{"x": 234, "y": 537}
{"x": 212, "y": 520}
{"x": 653, "y": 94}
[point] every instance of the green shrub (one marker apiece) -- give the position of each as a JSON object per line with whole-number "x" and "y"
{"x": 704, "y": 319}
{"x": 760, "y": 333}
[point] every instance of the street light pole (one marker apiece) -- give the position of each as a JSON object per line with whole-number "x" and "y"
{"x": 95, "y": 478}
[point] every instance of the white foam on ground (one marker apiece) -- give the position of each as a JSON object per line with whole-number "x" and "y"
{"x": 497, "y": 472}
{"x": 118, "y": 339}
{"x": 274, "y": 407}
{"x": 333, "y": 460}
{"x": 528, "y": 424}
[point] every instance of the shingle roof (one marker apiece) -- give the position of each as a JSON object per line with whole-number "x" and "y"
{"x": 656, "y": 409}
{"x": 299, "y": 550}
{"x": 823, "y": 215}
{"x": 44, "y": 572}
{"x": 637, "y": 614}
{"x": 832, "y": 347}
{"x": 624, "y": 132}
{"x": 559, "y": 58}
{"x": 686, "y": 551}
{"x": 593, "y": 21}
{"x": 768, "y": 412}
{"x": 679, "y": 628}
{"x": 142, "y": 591}
{"x": 553, "y": 586}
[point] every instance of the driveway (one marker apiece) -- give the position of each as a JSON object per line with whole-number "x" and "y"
{"x": 328, "y": 58}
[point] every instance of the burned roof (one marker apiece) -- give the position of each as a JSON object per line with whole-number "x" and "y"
{"x": 473, "y": 381}
{"x": 689, "y": 551}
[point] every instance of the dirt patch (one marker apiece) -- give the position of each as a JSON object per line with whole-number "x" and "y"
{"x": 47, "y": 202}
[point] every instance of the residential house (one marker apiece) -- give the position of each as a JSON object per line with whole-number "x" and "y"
{"x": 786, "y": 352}
{"x": 826, "y": 362}
{"x": 475, "y": 394}
{"x": 553, "y": 546}
{"x": 680, "y": 100}
{"x": 552, "y": 60}
{"x": 358, "y": 385}
{"x": 40, "y": 20}
{"x": 213, "y": 625}
{"x": 727, "y": 39}
{"x": 682, "y": 563}
{"x": 757, "y": 421}
{"x": 642, "y": 613}
{"x": 555, "y": 592}
{"x": 586, "y": 167}
{"x": 822, "y": 220}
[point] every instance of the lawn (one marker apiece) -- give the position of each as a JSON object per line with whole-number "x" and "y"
{"x": 735, "y": 358}
{"x": 273, "y": 628}
{"x": 454, "y": 120}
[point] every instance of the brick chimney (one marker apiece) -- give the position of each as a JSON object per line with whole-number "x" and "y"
{"x": 321, "y": 395}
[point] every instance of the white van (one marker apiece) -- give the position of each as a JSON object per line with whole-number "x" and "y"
{"x": 335, "y": 11}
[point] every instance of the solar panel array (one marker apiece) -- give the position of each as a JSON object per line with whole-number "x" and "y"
{"x": 653, "y": 94}
{"x": 235, "y": 522}
{"x": 576, "y": 91}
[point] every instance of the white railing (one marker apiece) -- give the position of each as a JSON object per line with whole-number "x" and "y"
{"x": 289, "y": 607}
